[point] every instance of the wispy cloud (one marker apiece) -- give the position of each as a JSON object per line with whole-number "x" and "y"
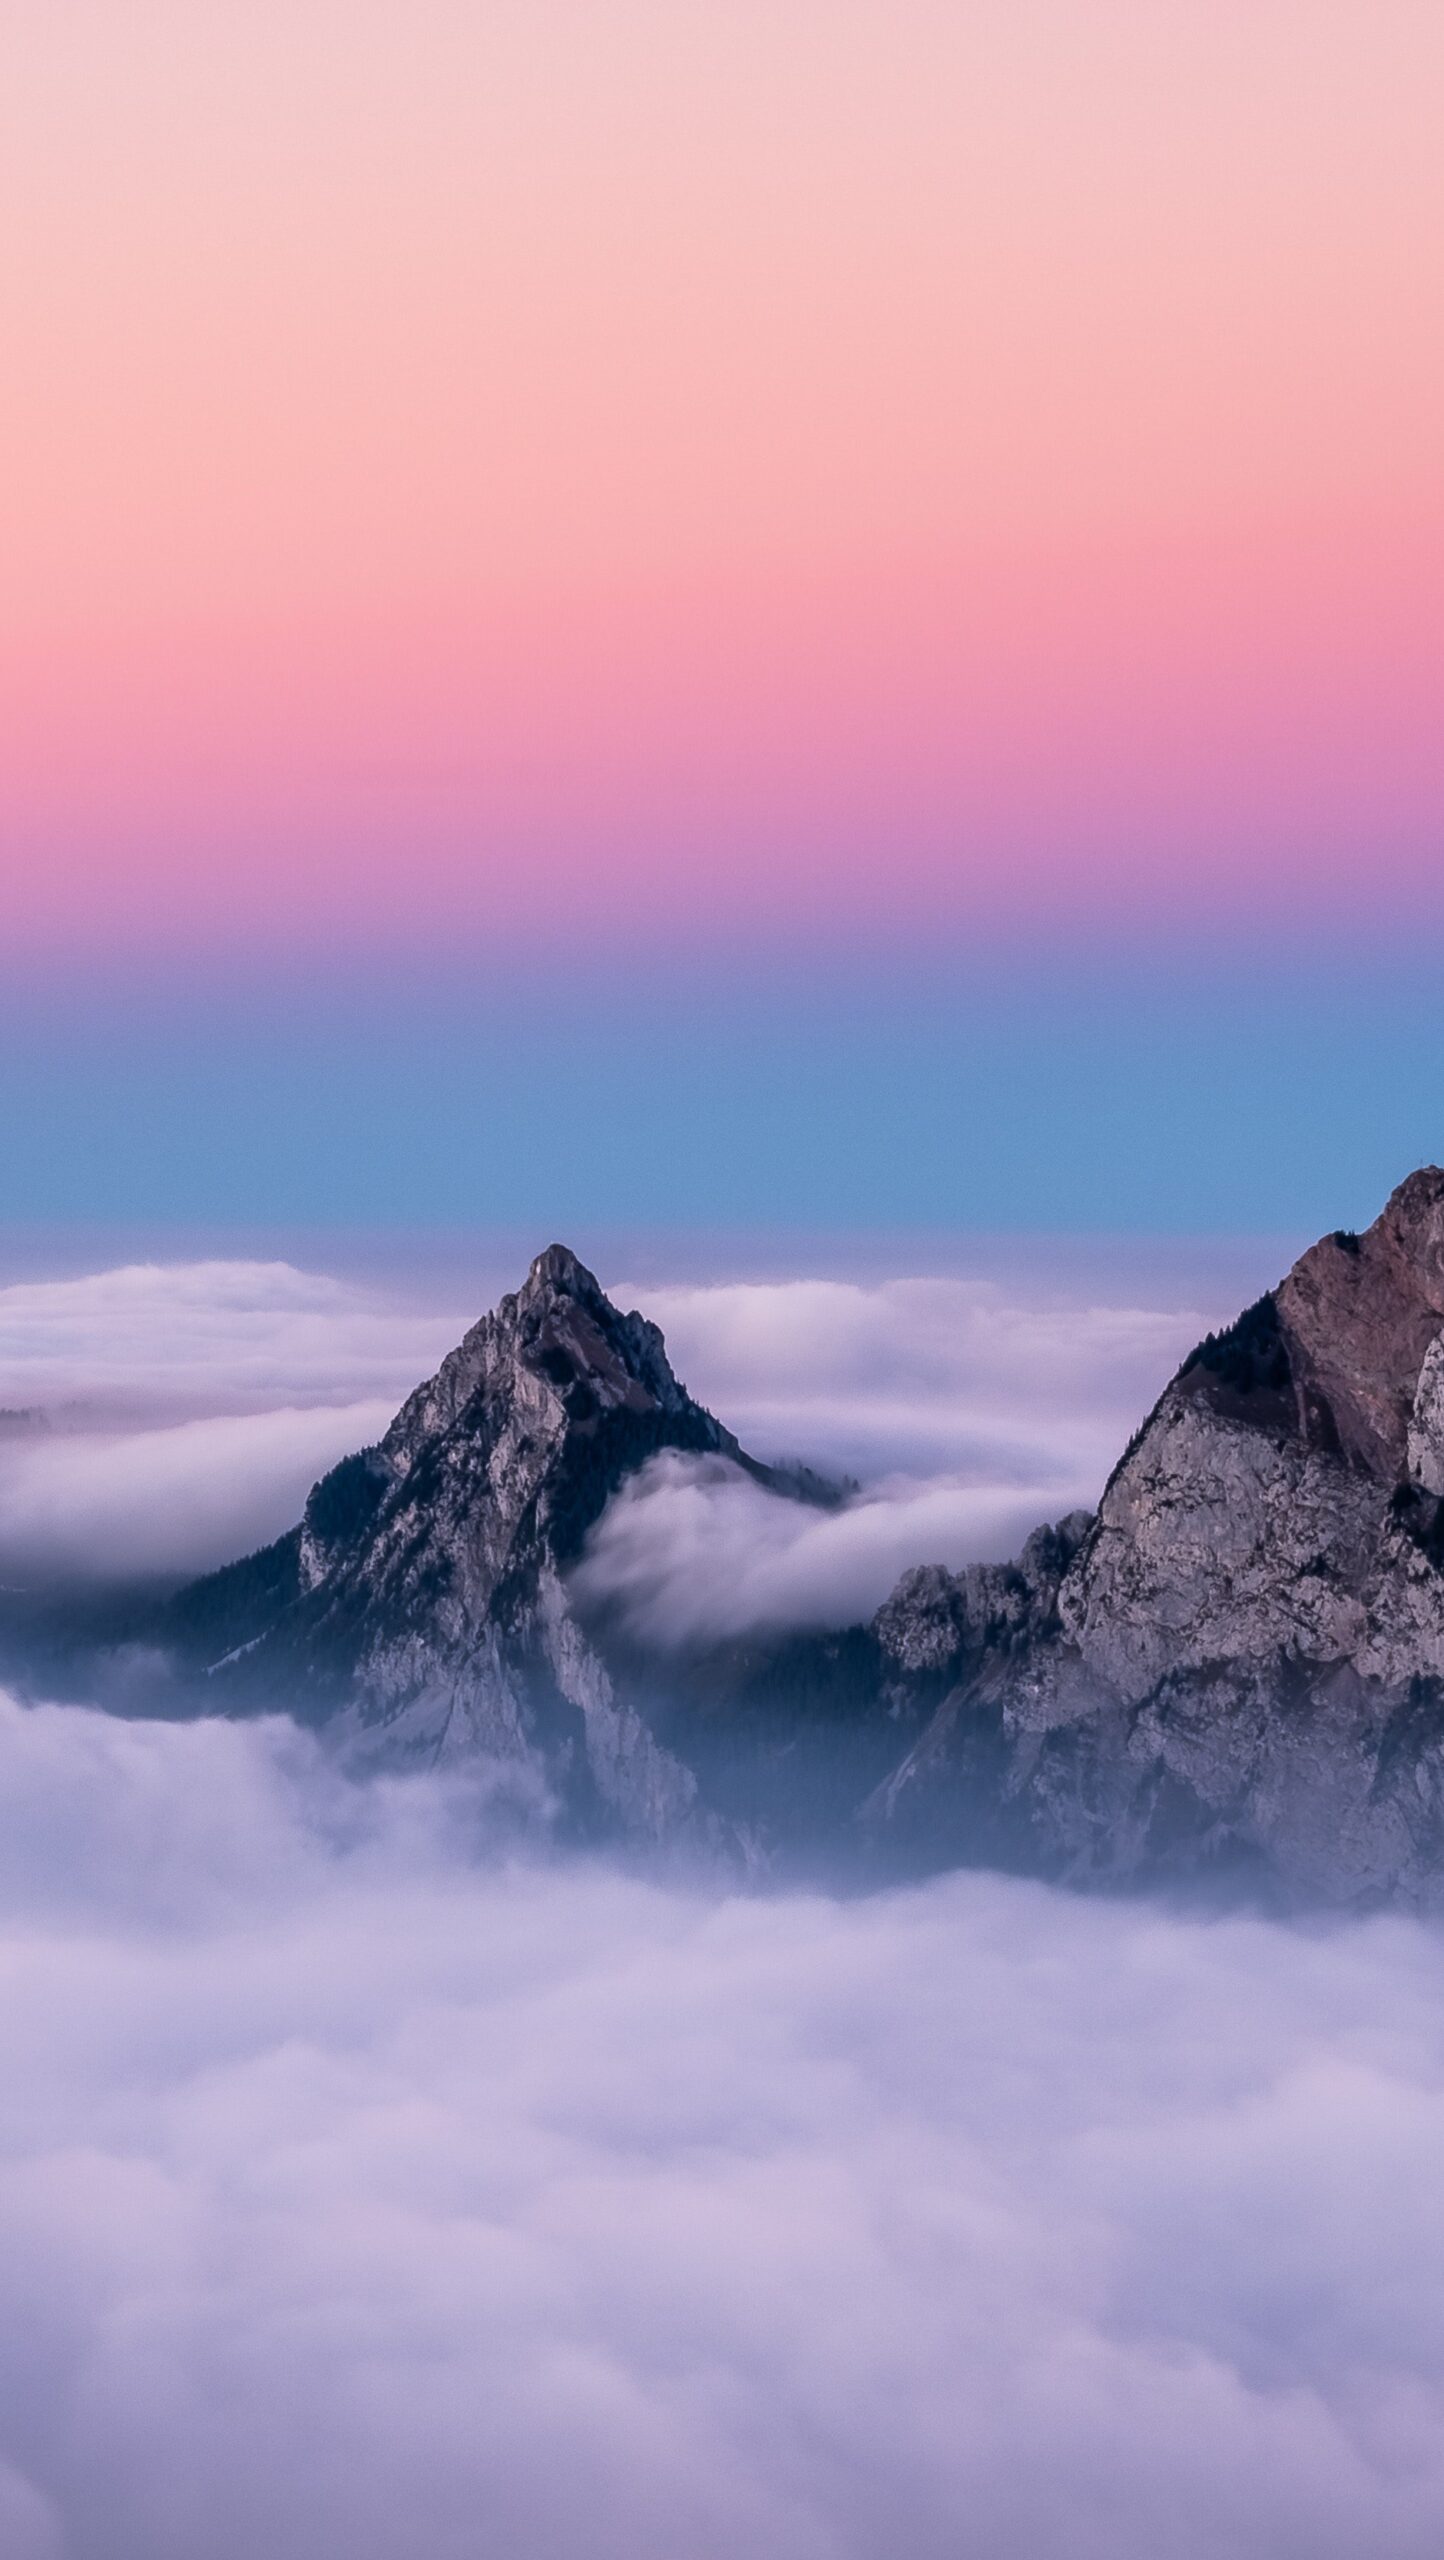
{"x": 692, "y": 1551}
{"x": 968, "y": 1413}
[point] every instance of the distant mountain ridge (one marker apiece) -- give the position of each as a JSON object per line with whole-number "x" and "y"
{"x": 1236, "y": 1667}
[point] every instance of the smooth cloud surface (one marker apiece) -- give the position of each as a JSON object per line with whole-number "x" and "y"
{"x": 178, "y": 1498}
{"x": 910, "y": 1376}
{"x": 360, "y": 2194}
{"x": 208, "y": 1337}
{"x": 192, "y": 1406}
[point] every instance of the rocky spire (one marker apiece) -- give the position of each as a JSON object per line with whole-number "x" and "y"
{"x": 427, "y": 1600}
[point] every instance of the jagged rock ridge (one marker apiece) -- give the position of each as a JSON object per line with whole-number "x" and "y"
{"x": 420, "y": 1607}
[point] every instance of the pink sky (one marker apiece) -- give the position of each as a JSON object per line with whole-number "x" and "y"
{"x": 739, "y": 464}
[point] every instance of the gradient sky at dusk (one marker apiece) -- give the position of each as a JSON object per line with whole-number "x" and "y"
{"x": 791, "y": 611}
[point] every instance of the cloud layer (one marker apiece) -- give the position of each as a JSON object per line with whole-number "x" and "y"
{"x": 194, "y": 1404}
{"x": 920, "y": 1376}
{"x": 968, "y": 1413}
{"x": 210, "y": 1337}
{"x": 691, "y": 1551}
{"x": 175, "y": 1499}
{"x": 190, "y": 1407}
{"x": 365, "y": 2189}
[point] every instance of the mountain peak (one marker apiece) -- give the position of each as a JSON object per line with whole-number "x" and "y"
{"x": 1360, "y": 1312}
{"x": 563, "y": 1328}
{"x": 559, "y": 1271}
{"x": 1335, "y": 1354}
{"x": 1421, "y": 1191}
{"x": 429, "y": 1573}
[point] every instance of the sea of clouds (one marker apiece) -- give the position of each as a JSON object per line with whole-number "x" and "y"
{"x": 369, "y": 2187}
{"x": 159, "y": 1419}
{"x": 374, "y": 2182}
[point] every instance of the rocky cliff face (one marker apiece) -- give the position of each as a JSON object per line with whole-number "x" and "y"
{"x": 1242, "y": 1660}
{"x": 421, "y": 1605}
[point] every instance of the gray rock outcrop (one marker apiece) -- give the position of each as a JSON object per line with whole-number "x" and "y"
{"x": 1242, "y": 1661}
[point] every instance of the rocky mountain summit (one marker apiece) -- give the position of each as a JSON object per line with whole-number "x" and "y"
{"x": 1236, "y": 1667}
{"x": 420, "y": 1607}
{"x": 1241, "y": 1659}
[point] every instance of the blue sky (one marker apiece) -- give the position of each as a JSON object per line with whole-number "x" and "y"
{"x": 1061, "y": 1093}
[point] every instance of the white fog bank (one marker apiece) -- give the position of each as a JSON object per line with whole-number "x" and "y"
{"x": 964, "y": 1415}
{"x": 364, "y": 2193}
{"x": 985, "y": 1383}
{"x": 160, "y": 1419}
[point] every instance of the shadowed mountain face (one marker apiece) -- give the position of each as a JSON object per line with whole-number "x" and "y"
{"x": 1237, "y": 1665}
